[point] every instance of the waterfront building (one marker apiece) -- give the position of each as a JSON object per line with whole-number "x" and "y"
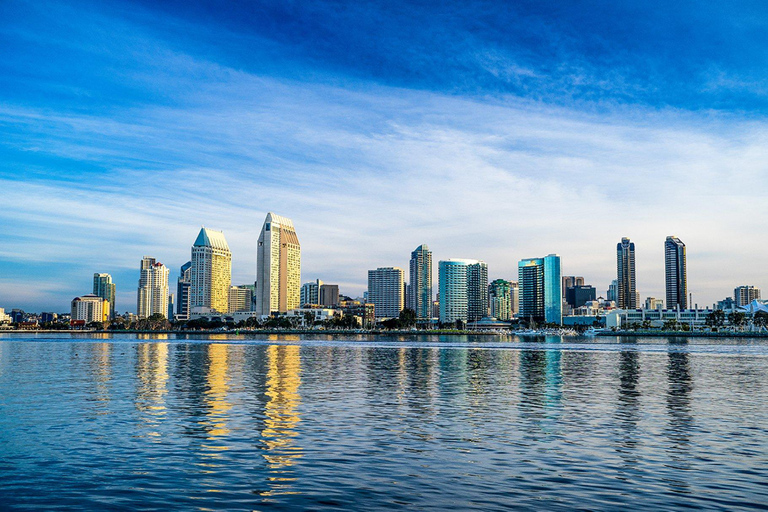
{"x": 578, "y": 295}
{"x": 171, "y": 306}
{"x": 420, "y": 287}
{"x": 210, "y": 273}
{"x": 385, "y": 291}
{"x": 329, "y": 295}
{"x": 626, "y": 293}
{"x": 612, "y": 295}
{"x": 89, "y": 308}
{"x": 310, "y": 293}
{"x": 540, "y": 289}
{"x": 105, "y": 288}
{"x": 727, "y": 304}
{"x": 364, "y": 312}
{"x": 152, "y": 296}
{"x": 624, "y": 318}
{"x": 4, "y": 319}
{"x": 500, "y": 299}
{"x": 182, "y": 291}
{"x": 653, "y": 303}
{"x": 463, "y": 286}
{"x": 240, "y": 299}
{"x": 743, "y": 295}
{"x": 278, "y": 266}
{"x": 675, "y": 272}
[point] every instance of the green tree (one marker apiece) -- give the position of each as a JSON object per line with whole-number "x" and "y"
{"x": 737, "y": 319}
{"x": 715, "y": 318}
{"x": 760, "y": 319}
{"x": 407, "y": 318}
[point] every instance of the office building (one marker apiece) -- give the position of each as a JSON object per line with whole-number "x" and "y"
{"x": 743, "y": 295}
{"x": 420, "y": 286}
{"x": 500, "y": 299}
{"x": 578, "y": 295}
{"x": 210, "y": 273}
{"x": 463, "y": 290}
{"x": 612, "y": 295}
{"x": 182, "y": 291}
{"x": 540, "y": 289}
{"x": 385, "y": 291}
{"x": 329, "y": 295}
{"x": 676, "y": 274}
{"x": 152, "y": 296}
{"x": 89, "y": 308}
{"x": 104, "y": 287}
{"x": 240, "y": 299}
{"x": 626, "y": 292}
{"x": 310, "y": 293}
{"x": 278, "y": 266}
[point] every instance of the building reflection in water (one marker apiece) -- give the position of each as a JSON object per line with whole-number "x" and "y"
{"x": 540, "y": 389}
{"x": 100, "y": 370}
{"x": 628, "y": 407}
{"x": 152, "y": 383}
{"x": 281, "y": 416}
{"x": 679, "y": 430}
{"x": 216, "y": 405}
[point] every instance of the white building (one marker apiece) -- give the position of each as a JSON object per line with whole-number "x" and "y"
{"x": 240, "y": 299}
{"x": 152, "y": 297}
{"x": 210, "y": 273}
{"x": 623, "y": 318}
{"x": 386, "y": 291}
{"x": 89, "y": 308}
{"x": 278, "y": 266}
{"x": 310, "y": 293}
{"x": 743, "y": 295}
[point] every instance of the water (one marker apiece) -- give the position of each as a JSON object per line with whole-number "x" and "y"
{"x": 288, "y": 423}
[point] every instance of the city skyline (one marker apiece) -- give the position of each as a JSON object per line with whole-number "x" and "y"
{"x": 229, "y": 119}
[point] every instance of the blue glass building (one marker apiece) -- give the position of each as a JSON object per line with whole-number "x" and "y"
{"x": 541, "y": 289}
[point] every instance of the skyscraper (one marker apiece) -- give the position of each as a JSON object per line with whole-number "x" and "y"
{"x": 104, "y": 287}
{"x": 278, "y": 266}
{"x": 182, "y": 291}
{"x": 463, "y": 286}
{"x": 625, "y": 275}
{"x": 676, "y": 273}
{"x": 385, "y": 291}
{"x": 500, "y": 298}
{"x": 541, "y": 289}
{"x": 329, "y": 295}
{"x": 240, "y": 299}
{"x": 152, "y": 296}
{"x": 420, "y": 296}
{"x": 210, "y": 273}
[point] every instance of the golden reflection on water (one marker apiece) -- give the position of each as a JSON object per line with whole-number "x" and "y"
{"x": 100, "y": 369}
{"x": 158, "y": 336}
{"x": 152, "y": 368}
{"x": 282, "y": 416}
{"x": 216, "y": 395}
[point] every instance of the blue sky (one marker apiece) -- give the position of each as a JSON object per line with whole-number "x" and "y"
{"x": 489, "y": 130}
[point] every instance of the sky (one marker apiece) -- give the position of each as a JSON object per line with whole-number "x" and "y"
{"x": 487, "y": 130}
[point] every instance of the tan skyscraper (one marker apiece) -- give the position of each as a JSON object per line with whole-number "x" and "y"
{"x": 152, "y": 296}
{"x": 278, "y": 266}
{"x": 211, "y": 273}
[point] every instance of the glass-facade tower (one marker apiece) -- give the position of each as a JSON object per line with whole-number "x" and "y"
{"x": 541, "y": 291}
{"x": 675, "y": 273}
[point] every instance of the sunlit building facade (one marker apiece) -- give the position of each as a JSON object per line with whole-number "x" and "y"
{"x": 210, "y": 273}
{"x": 743, "y": 295}
{"x": 386, "y": 291}
{"x": 105, "y": 288}
{"x": 278, "y": 266}
{"x": 152, "y": 296}
{"x": 541, "y": 289}
{"x": 463, "y": 288}
{"x": 420, "y": 288}
{"x": 89, "y": 308}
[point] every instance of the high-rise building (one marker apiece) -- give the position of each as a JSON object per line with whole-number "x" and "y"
{"x": 278, "y": 266}
{"x": 329, "y": 295}
{"x": 743, "y": 295}
{"x": 152, "y": 296}
{"x": 612, "y": 295}
{"x": 182, "y": 291}
{"x": 463, "y": 290}
{"x": 540, "y": 289}
{"x": 385, "y": 291}
{"x": 171, "y": 307}
{"x": 240, "y": 299}
{"x": 420, "y": 289}
{"x": 105, "y": 288}
{"x": 210, "y": 273}
{"x": 89, "y": 308}
{"x": 676, "y": 273}
{"x": 577, "y": 296}
{"x": 310, "y": 293}
{"x": 501, "y": 299}
{"x": 625, "y": 269}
